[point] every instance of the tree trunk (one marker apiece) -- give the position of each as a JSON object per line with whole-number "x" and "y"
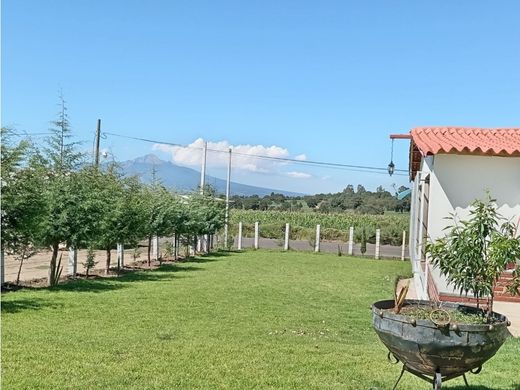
{"x": 109, "y": 255}
{"x": 19, "y": 271}
{"x": 149, "y": 251}
{"x": 52, "y": 266}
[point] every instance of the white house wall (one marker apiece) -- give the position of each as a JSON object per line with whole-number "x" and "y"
{"x": 456, "y": 180}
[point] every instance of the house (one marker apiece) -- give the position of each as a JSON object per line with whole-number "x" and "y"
{"x": 450, "y": 167}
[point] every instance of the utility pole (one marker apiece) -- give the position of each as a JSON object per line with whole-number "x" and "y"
{"x": 98, "y": 135}
{"x": 203, "y": 168}
{"x": 200, "y": 240}
{"x": 228, "y": 188}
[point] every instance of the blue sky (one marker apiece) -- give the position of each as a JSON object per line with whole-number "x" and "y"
{"x": 328, "y": 80}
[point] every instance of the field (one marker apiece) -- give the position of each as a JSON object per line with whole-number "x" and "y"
{"x": 256, "y": 319}
{"x": 333, "y": 226}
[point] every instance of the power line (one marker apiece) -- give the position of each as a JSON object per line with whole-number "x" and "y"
{"x": 356, "y": 168}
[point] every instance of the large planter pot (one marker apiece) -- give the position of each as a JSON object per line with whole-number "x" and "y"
{"x": 440, "y": 351}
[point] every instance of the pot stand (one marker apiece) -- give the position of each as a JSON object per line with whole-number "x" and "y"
{"x": 436, "y": 380}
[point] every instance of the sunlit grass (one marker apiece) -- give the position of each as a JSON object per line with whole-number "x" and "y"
{"x": 257, "y": 319}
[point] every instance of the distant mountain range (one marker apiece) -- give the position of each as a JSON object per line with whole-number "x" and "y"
{"x": 184, "y": 179}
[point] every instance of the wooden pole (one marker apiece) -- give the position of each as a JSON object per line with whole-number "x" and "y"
{"x": 98, "y": 136}
{"x": 228, "y": 189}
{"x": 203, "y": 168}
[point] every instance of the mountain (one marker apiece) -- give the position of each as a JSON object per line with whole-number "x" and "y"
{"x": 186, "y": 179}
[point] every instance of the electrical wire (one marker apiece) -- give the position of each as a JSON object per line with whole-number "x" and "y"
{"x": 356, "y": 168}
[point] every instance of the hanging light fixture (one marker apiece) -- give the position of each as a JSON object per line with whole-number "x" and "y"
{"x": 391, "y": 166}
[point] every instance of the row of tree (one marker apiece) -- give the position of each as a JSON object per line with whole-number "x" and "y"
{"x": 358, "y": 200}
{"x": 51, "y": 197}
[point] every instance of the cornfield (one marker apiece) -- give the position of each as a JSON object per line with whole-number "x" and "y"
{"x": 333, "y": 226}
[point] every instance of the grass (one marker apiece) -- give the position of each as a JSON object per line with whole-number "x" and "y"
{"x": 257, "y": 319}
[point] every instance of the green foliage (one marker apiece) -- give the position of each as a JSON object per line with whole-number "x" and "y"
{"x": 22, "y": 202}
{"x": 333, "y": 226}
{"x": 168, "y": 249}
{"x": 476, "y": 251}
{"x": 363, "y": 247}
{"x": 90, "y": 262}
{"x": 359, "y": 201}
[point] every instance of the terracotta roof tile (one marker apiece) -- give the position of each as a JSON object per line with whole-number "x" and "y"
{"x": 467, "y": 140}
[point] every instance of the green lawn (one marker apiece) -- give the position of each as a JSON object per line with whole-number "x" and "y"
{"x": 242, "y": 321}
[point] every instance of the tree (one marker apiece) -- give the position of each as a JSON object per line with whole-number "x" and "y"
{"x": 21, "y": 200}
{"x": 363, "y": 247}
{"x": 475, "y": 252}
{"x": 119, "y": 208}
{"x": 70, "y": 212}
{"x": 90, "y": 261}
{"x": 161, "y": 212}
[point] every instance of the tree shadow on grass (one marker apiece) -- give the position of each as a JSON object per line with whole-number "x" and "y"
{"x": 210, "y": 257}
{"x": 19, "y": 305}
{"x": 99, "y": 284}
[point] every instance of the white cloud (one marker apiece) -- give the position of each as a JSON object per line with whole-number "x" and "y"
{"x": 217, "y": 156}
{"x": 299, "y": 175}
{"x": 301, "y": 157}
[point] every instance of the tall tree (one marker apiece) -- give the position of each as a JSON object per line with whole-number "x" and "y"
{"x": 69, "y": 204}
{"x": 22, "y": 202}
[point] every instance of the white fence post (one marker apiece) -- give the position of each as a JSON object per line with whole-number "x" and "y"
{"x": 2, "y": 270}
{"x": 317, "y": 244}
{"x": 256, "y": 234}
{"x": 286, "y": 245}
{"x": 378, "y": 239}
{"x": 120, "y": 256}
{"x": 73, "y": 262}
{"x": 403, "y": 245}
{"x": 155, "y": 248}
{"x": 239, "y": 246}
{"x": 351, "y": 241}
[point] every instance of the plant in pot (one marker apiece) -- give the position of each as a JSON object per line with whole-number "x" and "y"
{"x": 440, "y": 341}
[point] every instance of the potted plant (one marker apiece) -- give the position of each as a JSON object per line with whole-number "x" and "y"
{"x": 439, "y": 341}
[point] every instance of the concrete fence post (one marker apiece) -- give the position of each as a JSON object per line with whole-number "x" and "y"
{"x": 403, "y": 246}
{"x": 317, "y": 244}
{"x": 286, "y": 244}
{"x": 120, "y": 256}
{"x": 2, "y": 268}
{"x": 239, "y": 243}
{"x": 257, "y": 231}
{"x": 155, "y": 248}
{"x": 351, "y": 241}
{"x": 378, "y": 239}
{"x": 73, "y": 262}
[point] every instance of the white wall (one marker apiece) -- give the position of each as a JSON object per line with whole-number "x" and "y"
{"x": 456, "y": 180}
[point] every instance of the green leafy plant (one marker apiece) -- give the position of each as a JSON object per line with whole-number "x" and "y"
{"x": 90, "y": 262}
{"x": 475, "y": 252}
{"x": 168, "y": 250}
{"x": 363, "y": 248}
